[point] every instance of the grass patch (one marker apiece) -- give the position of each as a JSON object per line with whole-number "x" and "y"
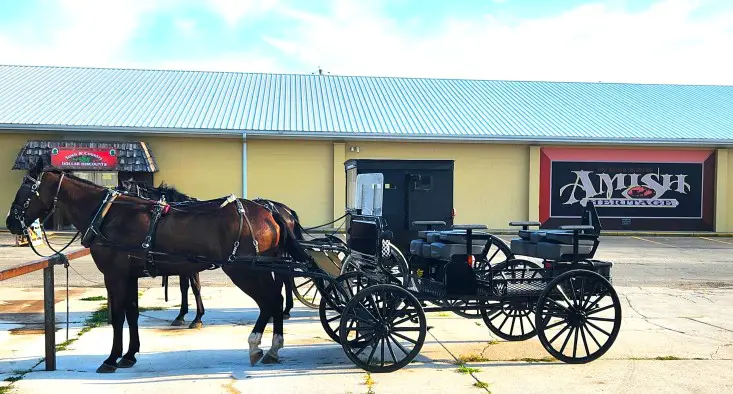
{"x": 65, "y": 345}
{"x": 664, "y": 358}
{"x": 4, "y": 389}
{"x": 13, "y": 379}
{"x": 369, "y": 382}
{"x": 535, "y": 360}
{"x": 471, "y": 358}
{"x": 95, "y": 298}
{"x": 481, "y": 385}
{"x": 465, "y": 370}
{"x": 667, "y": 358}
{"x": 151, "y": 308}
{"x": 493, "y": 342}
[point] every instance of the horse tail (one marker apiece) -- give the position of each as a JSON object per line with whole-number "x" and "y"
{"x": 297, "y": 228}
{"x": 289, "y": 240}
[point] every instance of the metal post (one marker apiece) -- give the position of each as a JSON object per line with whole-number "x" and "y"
{"x": 49, "y": 312}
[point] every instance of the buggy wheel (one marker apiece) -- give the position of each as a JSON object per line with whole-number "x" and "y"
{"x": 579, "y": 316}
{"x": 336, "y": 295}
{"x": 306, "y": 291}
{"x": 513, "y": 319}
{"x": 395, "y": 263}
{"x": 495, "y": 252}
{"x": 383, "y": 328}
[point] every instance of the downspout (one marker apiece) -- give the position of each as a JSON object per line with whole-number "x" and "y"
{"x": 244, "y": 164}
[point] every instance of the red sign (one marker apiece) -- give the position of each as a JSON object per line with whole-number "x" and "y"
{"x": 84, "y": 158}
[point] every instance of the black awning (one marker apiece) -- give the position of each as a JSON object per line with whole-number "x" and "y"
{"x": 133, "y": 156}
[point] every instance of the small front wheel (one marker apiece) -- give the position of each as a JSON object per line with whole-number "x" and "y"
{"x": 335, "y": 297}
{"x": 578, "y": 316}
{"x": 383, "y": 328}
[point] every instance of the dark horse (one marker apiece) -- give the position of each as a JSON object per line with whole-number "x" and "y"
{"x": 121, "y": 232}
{"x": 172, "y": 195}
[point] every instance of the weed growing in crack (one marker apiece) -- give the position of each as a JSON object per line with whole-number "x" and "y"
{"x": 151, "y": 308}
{"x": 95, "y": 298}
{"x": 465, "y": 370}
{"x": 369, "y": 382}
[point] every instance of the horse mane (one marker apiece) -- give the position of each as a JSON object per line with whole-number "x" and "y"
{"x": 172, "y": 194}
{"x": 67, "y": 174}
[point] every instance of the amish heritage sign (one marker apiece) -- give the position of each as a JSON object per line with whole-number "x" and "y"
{"x": 628, "y": 190}
{"x": 84, "y": 158}
{"x": 631, "y": 188}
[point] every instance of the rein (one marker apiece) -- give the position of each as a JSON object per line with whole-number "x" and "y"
{"x": 20, "y": 216}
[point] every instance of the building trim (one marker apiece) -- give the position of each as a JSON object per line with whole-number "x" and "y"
{"x": 345, "y": 136}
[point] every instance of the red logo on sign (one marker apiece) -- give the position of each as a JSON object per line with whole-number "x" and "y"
{"x": 84, "y": 159}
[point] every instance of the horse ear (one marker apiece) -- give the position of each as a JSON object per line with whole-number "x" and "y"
{"x": 37, "y": 168}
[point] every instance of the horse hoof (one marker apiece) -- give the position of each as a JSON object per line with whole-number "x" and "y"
{"x": 255, "y": 357}
{"x": 196, "y": 324}
{"x": 126, "y": 363}
{"x": 177, "y": 322}
{"x": 286, "y": 316}
{"x": 270, "y": 321}
{"x": 106, "y": 368}
{"x": 268, "y": 359}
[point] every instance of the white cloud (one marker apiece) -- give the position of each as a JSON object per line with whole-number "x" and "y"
{"x": 88, "y": 33}
{"x": 661, "y": 44}
{"x": 233, "y": 11}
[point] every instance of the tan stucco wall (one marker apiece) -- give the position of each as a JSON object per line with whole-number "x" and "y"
{"x": 200, "y": 167}
{"x": 10, "y": 145}
{"x": 296, "y": 173}
{"x": 490, "y": 181}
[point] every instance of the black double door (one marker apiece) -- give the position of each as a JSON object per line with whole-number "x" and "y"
{"x": 414, "y": 190}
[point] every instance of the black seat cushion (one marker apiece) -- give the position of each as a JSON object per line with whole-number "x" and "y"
{"x": 566, "y": 239}
{"x": 522, "y": 247}
{"x": 556, "y": 251}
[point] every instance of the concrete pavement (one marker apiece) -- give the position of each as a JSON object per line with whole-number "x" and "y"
{"x": 671, "y": 340}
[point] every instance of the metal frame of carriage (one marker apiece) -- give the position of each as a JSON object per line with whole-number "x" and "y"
{"x": 567, "y": 299}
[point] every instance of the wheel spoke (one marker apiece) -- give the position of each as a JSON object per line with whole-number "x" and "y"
{"x": 590, "y": 294}
{"x": 572, "y": 292}
{"x": 399, "y": 345}
{"x": 559, "y": 304}
{"x": 389, "y": 346}
{"x": 598, "y": 299}
{"x": 575, "y": 344}
{"x": 593, "y": 337}
{"x": 382, "y": 342}
{"x": 598, "y": 328}
{"x": 601, "y": 319}
{"x": 553, "y": 325}
{"x": 585, "y": 341}
{"x": 570, "y": 333}
{"x": 504, "y": 322}
{"x": 594, "y": 311}
{"x": 371, "y": 355}
{"x": 405, "y": 329}
{"x": 412, "y": 341}
{"x": 559, "y": 333}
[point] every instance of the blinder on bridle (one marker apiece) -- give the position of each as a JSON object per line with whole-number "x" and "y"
{"x": 28, "y": 190}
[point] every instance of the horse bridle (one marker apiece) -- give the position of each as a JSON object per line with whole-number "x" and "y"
{"x": 19, "y": 211}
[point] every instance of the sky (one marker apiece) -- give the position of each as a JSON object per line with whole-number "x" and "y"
{"x": 635, "y": 41}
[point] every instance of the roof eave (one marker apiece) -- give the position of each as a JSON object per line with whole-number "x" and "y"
{"x": 346, "y": 136}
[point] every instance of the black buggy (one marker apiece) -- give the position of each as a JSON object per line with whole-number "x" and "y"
{"x": 549, "y": 286}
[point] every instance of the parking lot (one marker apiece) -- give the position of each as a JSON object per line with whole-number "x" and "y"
{"x": 673, "y": 261}
{"x": 676, "y": 336}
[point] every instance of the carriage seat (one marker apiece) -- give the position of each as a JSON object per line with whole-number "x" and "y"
{"x": 558, "y": 244}
{"x": 442, "y": 251}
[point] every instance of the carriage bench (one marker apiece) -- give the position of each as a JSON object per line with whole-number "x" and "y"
{"x": 444, "y": 244}
{"x": 567, "y": 243}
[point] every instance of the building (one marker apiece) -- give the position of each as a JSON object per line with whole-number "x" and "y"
{"x": 650, "y": 156}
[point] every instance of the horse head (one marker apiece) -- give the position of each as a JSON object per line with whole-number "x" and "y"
{"x": 36, "y": 198}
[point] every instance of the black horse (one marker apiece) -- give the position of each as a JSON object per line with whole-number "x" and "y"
{"x": 173, "y": 195}
{"x": 127, "y": 235}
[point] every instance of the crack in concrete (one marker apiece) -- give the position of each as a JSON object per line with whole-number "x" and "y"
{"x": 478, "y": 381}
{"x": 708, "y": 324}
{"x": 646, "y": 319}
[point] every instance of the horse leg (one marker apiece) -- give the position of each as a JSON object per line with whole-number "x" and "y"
{"x": 274, "y": 302}
{"x": 288, "y": 282}
{"x": 250, "y": 283}
{"x": 132, "y": 313}
{"x": 117, "y": 289}
{"x": 183, "y": 284}
{"x": 196, "y": 288}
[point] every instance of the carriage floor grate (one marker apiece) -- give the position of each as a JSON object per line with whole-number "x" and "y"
{"x": 426, "y": 287}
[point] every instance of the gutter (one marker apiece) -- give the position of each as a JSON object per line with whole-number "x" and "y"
{"x": 350, "y": 136}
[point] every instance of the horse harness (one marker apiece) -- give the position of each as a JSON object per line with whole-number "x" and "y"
{"x": 160, "y": 209}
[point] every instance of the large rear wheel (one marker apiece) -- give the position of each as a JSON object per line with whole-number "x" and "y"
{"x": 578, "y": 316}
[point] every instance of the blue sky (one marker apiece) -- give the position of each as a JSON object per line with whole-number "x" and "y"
{"x": 648, "y": 41}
